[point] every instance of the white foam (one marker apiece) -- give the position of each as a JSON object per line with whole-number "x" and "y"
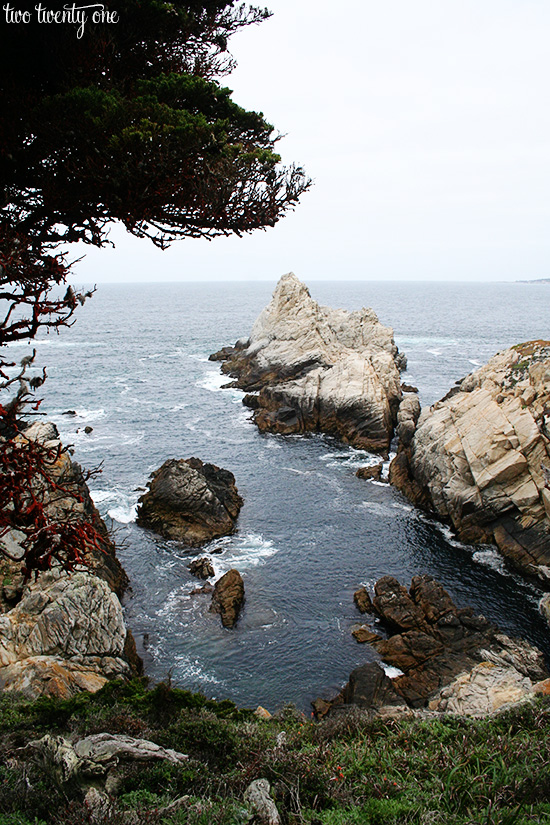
{"x": 213, "y": 381}
{"x": 390, "y": 670}
{"x": 490, "y": 558}
{"x": 244, "y": 551}
{"x": 124, "y": 509}
{"x": 475, "y": 362}
{"x": 435, "y": 352}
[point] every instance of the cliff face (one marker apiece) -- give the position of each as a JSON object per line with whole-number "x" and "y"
{"x": 312, "y": 368}
{"x": 480, "y": 457}
{"x": 62, "y": 633}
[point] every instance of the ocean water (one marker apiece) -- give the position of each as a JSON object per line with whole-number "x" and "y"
{"x": 135, "y": 368}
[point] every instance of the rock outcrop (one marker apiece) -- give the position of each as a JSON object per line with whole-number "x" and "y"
{"x": 480, "y": 457}
{"x": 312, "y": 368}
{"x": 228, "y": 597}
{"x": 450, "y": 659}
{"x": 61, "y": 633}
{"x": 190, "y": 501}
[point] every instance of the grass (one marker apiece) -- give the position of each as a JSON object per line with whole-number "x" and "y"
{"x": 344, "y": 770}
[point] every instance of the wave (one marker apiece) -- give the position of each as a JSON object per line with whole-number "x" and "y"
{"x": 123, "y": 507}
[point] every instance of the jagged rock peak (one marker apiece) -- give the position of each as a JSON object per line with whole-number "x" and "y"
{"x": 318, "y": 369}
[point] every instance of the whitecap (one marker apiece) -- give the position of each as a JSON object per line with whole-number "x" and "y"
{"x": 244, "y": 551}
{"x": 124, "y": 514}
{"x": 475, "y": 362}
{"x": 435, "y": 352}
{"x": 490, "y": 558}
{"x": 213, "y": 381}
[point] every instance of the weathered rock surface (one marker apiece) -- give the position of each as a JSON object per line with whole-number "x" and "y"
{"x": 228, "y": 597}
{"x": 449, "y": 658}
{"x": 261, "y": 804}
{"x": 67, "y": 634}
{"x": 96, "y": 755}
{"x": 190, "y": 501}
{"x": 480, "y": 457}
{"x": 63, "y": 633}
{"x": 318, "y": 369}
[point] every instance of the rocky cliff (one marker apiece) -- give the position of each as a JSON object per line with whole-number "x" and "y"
{"x": 61, "y": 632}
{"x": 312, "y": 368}
{"x": 480, "y": 457}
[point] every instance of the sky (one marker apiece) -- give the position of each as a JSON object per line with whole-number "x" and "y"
{"x": 425, "y": 125}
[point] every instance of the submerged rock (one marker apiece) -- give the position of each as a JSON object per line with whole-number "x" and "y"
{"x": 190, "y": 501}
{"x": 480, "y": 457}
{"x": 228, "y": 597}
{"x": 449, "y": 658}
{"x": 318, "y": 369}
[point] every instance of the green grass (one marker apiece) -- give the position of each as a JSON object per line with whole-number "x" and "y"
{"x": 345, "y": 770}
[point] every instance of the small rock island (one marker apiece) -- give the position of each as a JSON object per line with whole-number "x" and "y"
{"x": 312, "y": 368}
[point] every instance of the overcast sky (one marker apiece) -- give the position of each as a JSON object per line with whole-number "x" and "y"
{"x": 425, "y": 125}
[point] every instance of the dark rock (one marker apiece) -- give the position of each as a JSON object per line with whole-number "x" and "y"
{"x": 408, "y": 388}
{"x": 363, "y": 635}
{"x": 69, "y": 412}
{"x": 88, "y": 429}
{"x": 363, "y": 601}
{"x": 228, "y": 597}
{"x": 204, "y": 590}
{"x": 190, "y": 501}
{"x": 369, "y": 687}
{"x": 394, "y": 605}
{"x": 370, "y": 472}
{"x": 201, "y": 568}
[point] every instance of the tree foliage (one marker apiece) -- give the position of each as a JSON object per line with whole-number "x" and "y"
{"x": 121, "y": 122}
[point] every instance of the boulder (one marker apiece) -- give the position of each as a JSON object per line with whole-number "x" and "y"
{"x": 228, "y": 597}
{"x": 369, "y": 687}
{"x": 480, "y": 458}
{"x": 190, "y": 501}
{"x": 201, "y": 568}
{"x": 363, "y": 601}
{"x": 313, "y": 368}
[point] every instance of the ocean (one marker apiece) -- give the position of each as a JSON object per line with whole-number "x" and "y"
{"x": 135, "y": 368}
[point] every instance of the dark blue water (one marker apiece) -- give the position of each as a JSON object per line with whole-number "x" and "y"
{"x": 135, "y": 368}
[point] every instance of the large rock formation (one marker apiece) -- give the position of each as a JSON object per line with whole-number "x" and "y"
{"x": 61, "y": 633}
{"x": 450, "y": 659}
{"x": 190, "y": 502}
{"x": 312, "y": 368}
{"x": 480, "y": 457}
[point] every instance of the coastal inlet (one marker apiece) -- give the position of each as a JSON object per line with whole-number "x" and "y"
{"x": 310, "y": 532}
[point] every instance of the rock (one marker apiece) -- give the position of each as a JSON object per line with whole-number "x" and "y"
{"x": 262, "y": 713}
{"x": 201, "y": 568}
{"x": 67, "y": 634}
{"x": 480, "y": 457}
{"x": 96, "y": 755}
{"x": 204, "y": 590}
{"x": 369, "y": 687}
{"x": 370, "y": 472}
{"x": 69, "y": 412}
{"x": 435, "y": 643}
{"x": 364, "y": 635}
{"x": 363, "y": 601}
{"x": 88, "y": 430}
{"x": 485, "y": 689}
{"x": 393, "y": 603}
{"x": 313, "y": 368}
{"x": 190, "y": 501}
{"x": 228, "y": 597}
{"x": 544, "y": 607}
{"x": 261, "y": 804}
